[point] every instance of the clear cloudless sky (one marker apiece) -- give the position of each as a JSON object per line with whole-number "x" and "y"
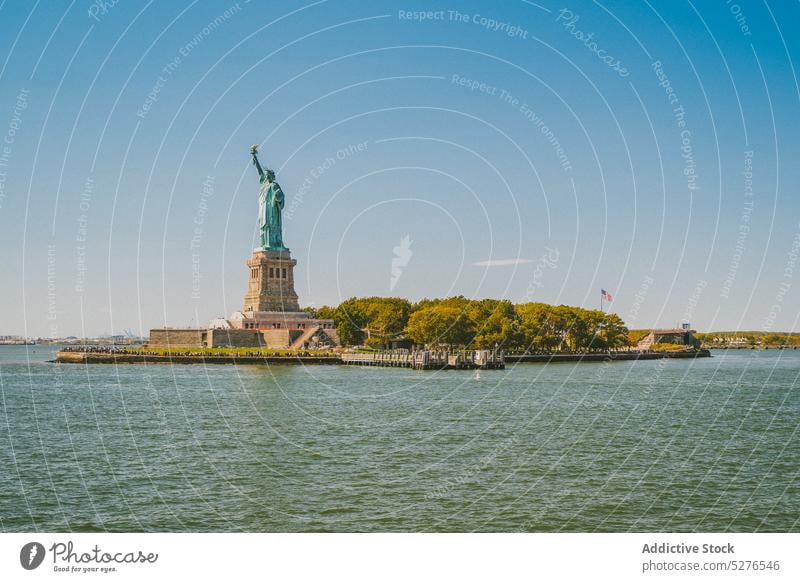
{"x": 535, "y": 151}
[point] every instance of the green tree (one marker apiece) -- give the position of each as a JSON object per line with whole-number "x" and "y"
{"x": 349, "y": 333}
{"x": 440, "y": 325}
{"x": 323, "y": 312}
{"x": 326, "y": 312}
{"x": 537, "y": 326}
{"x": 386, "y": 317}
{"x": 349, "y": 320}
{"x": 496, "y": 323}
{"x": 615, "y": 331}
{"x": 482, "y": 323}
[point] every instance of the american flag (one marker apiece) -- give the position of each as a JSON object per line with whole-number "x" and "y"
{"x": 606, "y": 295}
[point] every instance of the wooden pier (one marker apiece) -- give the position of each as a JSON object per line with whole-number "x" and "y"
{"x": 429, "y": 360}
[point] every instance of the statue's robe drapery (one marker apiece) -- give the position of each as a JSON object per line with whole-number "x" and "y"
{"x": 270, "y": 205}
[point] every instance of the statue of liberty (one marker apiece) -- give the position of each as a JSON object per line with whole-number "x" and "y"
{"x": 270, "y": 205}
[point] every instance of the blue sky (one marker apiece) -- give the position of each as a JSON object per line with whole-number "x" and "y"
{"x": 646, "y": 148}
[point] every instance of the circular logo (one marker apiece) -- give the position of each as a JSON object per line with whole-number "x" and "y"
{"x": 31, "y": 555}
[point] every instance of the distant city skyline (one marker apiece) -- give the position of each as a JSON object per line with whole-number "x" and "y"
{"x": 529, "y": 151}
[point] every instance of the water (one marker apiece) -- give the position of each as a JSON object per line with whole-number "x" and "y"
{"x": 671, "y": 445}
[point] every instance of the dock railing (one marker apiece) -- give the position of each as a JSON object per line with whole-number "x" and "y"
{"x": 428, "y": 359}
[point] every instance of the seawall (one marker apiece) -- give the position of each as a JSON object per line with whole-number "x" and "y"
{"x": 76, "y": 357}
{"x": 602, "y": 357}
{"x": 117, "y": 358}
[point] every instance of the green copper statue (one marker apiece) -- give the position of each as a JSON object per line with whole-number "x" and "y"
{"x": 270, "y": 205}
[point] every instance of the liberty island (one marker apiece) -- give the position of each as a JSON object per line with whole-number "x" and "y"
{"x": 441, "y": 337}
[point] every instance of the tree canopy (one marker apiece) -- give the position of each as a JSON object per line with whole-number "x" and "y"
{"x": 475, "y": 323}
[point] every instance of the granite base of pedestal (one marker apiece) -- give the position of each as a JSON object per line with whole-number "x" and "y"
{"x": 271, "y": 283}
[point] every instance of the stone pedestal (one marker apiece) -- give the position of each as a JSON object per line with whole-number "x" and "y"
{"x": 271, "y": 285}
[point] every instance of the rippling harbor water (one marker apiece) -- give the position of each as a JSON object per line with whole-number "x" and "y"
{"x": 667, "y": 445}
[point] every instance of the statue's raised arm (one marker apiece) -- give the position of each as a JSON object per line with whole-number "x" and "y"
{"x": 254, "y": 151}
